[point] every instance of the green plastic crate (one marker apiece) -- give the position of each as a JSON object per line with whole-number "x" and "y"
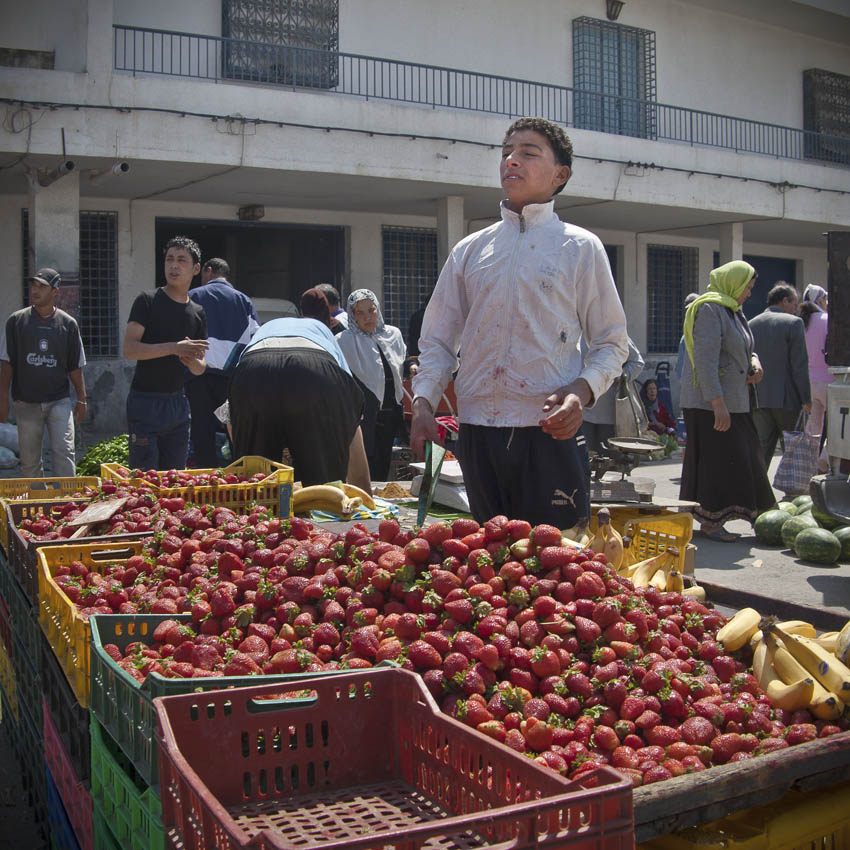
{"x": 131, "y": 809}
{"x": 124, "y": 707}
{"x": 103, "y": 839}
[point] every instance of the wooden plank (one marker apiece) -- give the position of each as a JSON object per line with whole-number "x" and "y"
{"x": 696, "y": 798}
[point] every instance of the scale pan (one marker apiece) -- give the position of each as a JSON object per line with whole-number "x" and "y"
{"x": 635, "y": 445}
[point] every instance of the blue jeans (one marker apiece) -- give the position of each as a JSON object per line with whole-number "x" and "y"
{"x": 58, "y": 418}
{"x": 158, "y": 428}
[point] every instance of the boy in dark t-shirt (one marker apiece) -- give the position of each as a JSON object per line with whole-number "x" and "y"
{"x": 167, "y": 334}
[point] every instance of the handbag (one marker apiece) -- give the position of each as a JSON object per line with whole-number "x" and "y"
{"x": 799, "y": 461}
{"x": 629, "y": 414}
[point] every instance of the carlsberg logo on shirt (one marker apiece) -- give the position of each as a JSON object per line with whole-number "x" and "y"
{"x": 47, "y": 360}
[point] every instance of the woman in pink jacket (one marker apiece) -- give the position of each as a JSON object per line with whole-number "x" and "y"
{"x": 813, "y": 312}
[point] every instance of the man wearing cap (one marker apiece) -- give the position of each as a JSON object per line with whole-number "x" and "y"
{"x": 41, "y": 351}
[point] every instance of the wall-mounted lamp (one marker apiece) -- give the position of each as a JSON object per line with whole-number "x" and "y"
{"x": 254, "y": 212}
{"x": 116, "y": 169}
{"x": 613, "y": 8}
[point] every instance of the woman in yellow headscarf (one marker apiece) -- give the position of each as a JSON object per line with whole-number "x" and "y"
{"x": 723, "y": 470}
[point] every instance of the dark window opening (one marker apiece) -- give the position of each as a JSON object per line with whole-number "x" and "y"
{"x": 671, "y": 273}
{"x": 614, "y": 78}
{"x": 293, "y": 42}
{"x": 410, "y": 272}
{"x": 92, "y": 297}
{"x": 271, "y": 263}
{"x": 826, "y": 115}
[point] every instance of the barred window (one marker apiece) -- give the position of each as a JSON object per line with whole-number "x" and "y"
{"x": 614, "y": 77}
{"x": 672, "y": 272}
{"x": 410, "y": 272}
{"x": 92, "y": 299}
{"x": 826, "y": 114}
{"x": 293, "y": 42}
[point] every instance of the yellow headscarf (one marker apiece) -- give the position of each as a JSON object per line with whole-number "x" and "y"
{"x": 727, "y": 284}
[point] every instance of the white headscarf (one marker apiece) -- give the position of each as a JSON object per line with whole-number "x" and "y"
{"x": 361, "y": 349}
{"x": 812, "y": 294}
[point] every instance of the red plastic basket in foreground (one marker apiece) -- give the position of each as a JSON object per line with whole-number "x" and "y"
{"x": 365, "y": 760}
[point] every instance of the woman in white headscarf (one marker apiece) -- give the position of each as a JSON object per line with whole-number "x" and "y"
{"x": 375, "y": 353}
{"x": 813, "y": 309}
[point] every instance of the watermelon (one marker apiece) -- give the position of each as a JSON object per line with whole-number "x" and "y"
{"x": 768, "y": 527}
{"x": 794, "y": 525}
{"x": 842, "y": 535}
{"x": 824, "y": 519}
{"x": 802, "y": 502}
{"x": 788, "y": 507}
{"x": 817, "y": 545}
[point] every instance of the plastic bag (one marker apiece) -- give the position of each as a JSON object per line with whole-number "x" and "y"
{"x": 8, "y": 460}
{"x": 9, "y": 437}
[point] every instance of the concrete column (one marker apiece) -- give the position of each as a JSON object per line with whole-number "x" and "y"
{"x": 54, "y": 232}
{"x": 449, "y": 226}
{"x": 731, "y": 242}
{"x": 99, "y": 42}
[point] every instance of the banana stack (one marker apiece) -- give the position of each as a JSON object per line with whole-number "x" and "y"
{"x": 340, "y": 499}
{"x": 796, "y": 667}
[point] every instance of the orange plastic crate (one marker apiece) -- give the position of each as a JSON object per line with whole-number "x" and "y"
{"x": 273, "y": 492}
{"x": 365, "y": 760}
{"x": 67, "y": 632}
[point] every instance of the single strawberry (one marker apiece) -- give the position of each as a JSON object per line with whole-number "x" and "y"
{"x": 423, "y": 656}
{"x": 545, "y": 535}
{"x": 725, "y": 746}
{"x": 537, "y": 733}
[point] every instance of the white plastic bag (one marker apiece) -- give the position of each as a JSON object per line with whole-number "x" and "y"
{"x": 7, "y": 458}
{"x": 9, "y": 437}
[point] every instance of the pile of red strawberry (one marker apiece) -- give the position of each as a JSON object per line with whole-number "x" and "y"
{"x": 188, "y": 477}
{"x": 538, "y": 645}
{"x": 143, "y": 511}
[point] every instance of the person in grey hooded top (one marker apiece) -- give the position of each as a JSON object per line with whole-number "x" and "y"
{"x": 375, "y": 353}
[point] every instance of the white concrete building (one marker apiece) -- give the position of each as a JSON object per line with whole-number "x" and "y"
{"x": 367, "y": 132}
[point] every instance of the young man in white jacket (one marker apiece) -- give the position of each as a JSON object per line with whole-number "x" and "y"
{"x": 514, "y": 300}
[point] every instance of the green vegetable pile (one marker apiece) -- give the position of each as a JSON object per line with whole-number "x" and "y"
{"x": 113, "y": 450}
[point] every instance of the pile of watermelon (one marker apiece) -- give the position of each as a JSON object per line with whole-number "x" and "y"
{"x": 805, "y": 529}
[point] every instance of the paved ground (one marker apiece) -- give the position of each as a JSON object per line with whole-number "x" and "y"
{"x": 749, "y": 567}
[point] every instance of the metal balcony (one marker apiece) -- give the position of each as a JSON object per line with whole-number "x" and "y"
{"x": 147, "y": 51}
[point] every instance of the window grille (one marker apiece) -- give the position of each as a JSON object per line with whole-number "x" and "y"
{"x": 614, "y": 77}
{"x": 293, "y": 42}
{"x": 671, "y": 274}
{"x": 96, "y": 307}
{"x": 826, "y": 114}
{"x": 410, "y": 272}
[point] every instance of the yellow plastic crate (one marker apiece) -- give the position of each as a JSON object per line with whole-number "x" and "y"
{"x": 38, "y": 490}
{"x": 621, "y": 516}
{"x": 67, "y": 632}
{"x": 273, "y": 492}
{"x": 650, "y": 536}
{"x": 799, "y": 821}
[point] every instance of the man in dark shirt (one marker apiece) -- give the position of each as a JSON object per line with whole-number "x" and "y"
{"x": 40, "y": 352}
{"x": 231, "y": 322}
{"x": 167, "y": 334}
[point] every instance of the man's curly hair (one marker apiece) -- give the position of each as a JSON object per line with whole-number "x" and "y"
{"x": 187, "y": 244}
{"x": 558, "y": 140}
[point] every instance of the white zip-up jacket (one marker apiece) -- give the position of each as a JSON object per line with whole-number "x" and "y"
{"x": 515, "y": 299}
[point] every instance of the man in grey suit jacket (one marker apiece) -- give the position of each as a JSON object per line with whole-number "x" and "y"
{"x": 780, "y": 342}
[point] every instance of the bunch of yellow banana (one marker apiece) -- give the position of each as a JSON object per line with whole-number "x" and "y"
{"x": 653, "y": 571}
{"x": 607, "y": 540}
{"x": 325, "y": 497}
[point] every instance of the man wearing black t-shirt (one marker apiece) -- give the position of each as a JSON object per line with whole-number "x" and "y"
{"x": 167, "y": 334}
{"x": 41, "y": 351}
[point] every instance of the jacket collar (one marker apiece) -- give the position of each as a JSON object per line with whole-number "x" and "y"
{"x": 533, "y": 215}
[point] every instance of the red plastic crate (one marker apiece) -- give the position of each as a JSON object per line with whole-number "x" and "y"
{"x": 365, "y": 760}
{"x": 76, "y": 800}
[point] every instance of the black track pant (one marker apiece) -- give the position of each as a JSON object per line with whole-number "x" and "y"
{"x": 297, "y": 399}
{"x": 524, "y": 474}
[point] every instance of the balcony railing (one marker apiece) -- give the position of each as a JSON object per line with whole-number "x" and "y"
{"x": 148, "y": 51}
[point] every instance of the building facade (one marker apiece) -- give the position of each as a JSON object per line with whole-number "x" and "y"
{"x": 355, "y": 141}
